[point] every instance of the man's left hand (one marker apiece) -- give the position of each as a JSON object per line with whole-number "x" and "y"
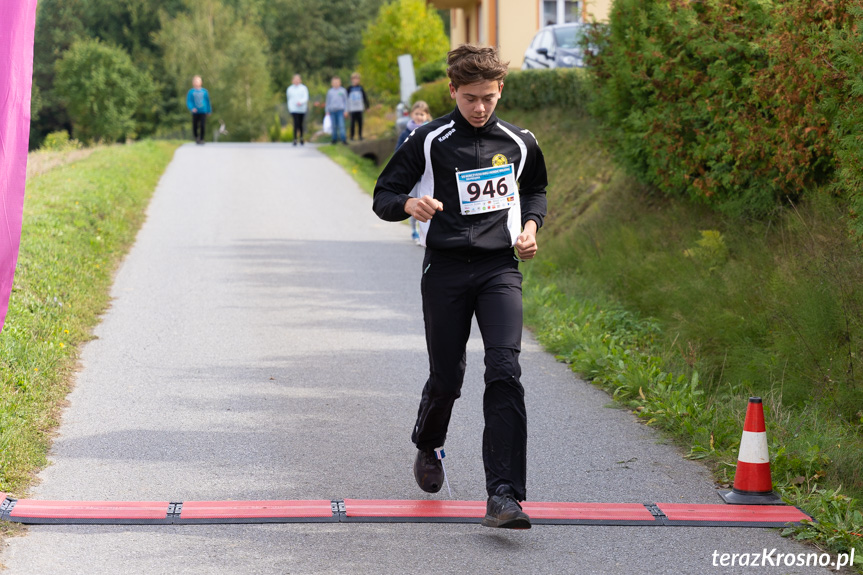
{"x": 525, "y": 245}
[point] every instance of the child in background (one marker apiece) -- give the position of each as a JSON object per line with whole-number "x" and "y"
{"x": 420, "y": 114}
{"x": 358, "y": 102}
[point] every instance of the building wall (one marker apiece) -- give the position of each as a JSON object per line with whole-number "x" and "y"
{"x": 518, "y": 21}
{"x": 597, "y": 10}
{"x": 508, "y": 24}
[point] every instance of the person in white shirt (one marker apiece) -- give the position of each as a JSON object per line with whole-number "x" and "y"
{"x": 298, "y": 105}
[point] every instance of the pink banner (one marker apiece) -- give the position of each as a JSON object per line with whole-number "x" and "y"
{"x": 17, "y": 25}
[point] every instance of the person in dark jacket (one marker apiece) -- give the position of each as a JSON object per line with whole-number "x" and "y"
{"x": 358, "y": 103}
{"x": 479, "y": 201}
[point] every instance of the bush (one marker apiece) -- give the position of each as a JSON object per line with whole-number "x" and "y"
{"x": 102, "y": 90}
{"x": 287, "y": 134}
{"x": 436, "y": 95}
{"x": 848, "y": 49}
{"x": 533, "y": 89}
{"x": 401, "y": 27}
{"x": 728, "y": 103}
{"x": 431, "y": 71}
{"x": 566, "y": 88}
{"x": 59, "y": 142}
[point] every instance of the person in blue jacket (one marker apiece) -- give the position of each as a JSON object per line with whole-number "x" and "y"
{"x": 198, "y": 103}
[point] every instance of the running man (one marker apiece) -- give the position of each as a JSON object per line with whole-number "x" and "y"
{"x": 481, "y": 193}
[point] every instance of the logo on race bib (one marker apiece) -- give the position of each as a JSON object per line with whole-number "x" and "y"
{"x": 499, "y": 160}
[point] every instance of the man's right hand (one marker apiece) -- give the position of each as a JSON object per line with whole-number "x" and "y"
{"x": 423, "y": 209}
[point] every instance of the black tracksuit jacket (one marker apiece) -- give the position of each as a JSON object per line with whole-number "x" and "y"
{"x": 429, "y": 160}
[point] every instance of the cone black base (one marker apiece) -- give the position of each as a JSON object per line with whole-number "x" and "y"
{"x": 739, "y": 498}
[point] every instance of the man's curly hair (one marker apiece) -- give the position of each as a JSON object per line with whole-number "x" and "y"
{"x": 469, "y": 64}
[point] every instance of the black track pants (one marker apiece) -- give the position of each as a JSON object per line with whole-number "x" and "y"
{"x": 199, "y": 124}
{"x": 299, "y": 118}
{"x": 453, "y": 291}
{"x": 357, "y": 122}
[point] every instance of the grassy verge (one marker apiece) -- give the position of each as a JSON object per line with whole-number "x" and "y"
{"x": 80, "y": 218}
{"x": 363, "y": 170}
{"x": 681, "y": 316}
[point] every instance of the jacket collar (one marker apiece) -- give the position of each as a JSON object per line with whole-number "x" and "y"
{"x": 461, "y": 121}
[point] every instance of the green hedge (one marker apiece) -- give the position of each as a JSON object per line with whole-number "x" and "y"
{"x": 436, "y": 95}
{"x": 741, "y": 104}
{"x": 524, "y": 90}
{"x": 535, "y": 89}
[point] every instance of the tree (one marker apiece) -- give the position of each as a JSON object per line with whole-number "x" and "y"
{"x": 248, "y": 97}
{"x": 132, "y": 25}
{"x": 129, "y": 24}
{"x": 315, "y": 37}
{"x": 58, "y": 26}
{"x": 402, "y": 27}
{"x": 212, "y": 40}
{"x": 102, "y": 90}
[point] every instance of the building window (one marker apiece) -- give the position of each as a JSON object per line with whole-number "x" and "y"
{"x": 571, "y": 12}
{"x": 549, "y": 12}
{"x": 560, "y": 12}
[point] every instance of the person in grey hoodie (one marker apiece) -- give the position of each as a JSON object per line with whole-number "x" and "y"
{"x": 337, "y": 108}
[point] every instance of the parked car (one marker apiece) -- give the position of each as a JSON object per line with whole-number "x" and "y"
{"x": 557, "y": 46}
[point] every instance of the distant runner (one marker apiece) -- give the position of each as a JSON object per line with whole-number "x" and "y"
{"x": 481, "y": 193}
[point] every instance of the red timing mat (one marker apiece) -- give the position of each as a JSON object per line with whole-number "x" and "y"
{"x": 388, "y": 511}
{"x": 588, "y": 511}
{"x": 30, "y": 511}
{"x": 736, "y": 514}
{"x": 256, "y": 510}
{"x": 430, "y": 510}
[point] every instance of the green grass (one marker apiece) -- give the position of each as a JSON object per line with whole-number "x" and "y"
{"x": 80, "y": 218}
{"x": 681, "y": 315}
{"x": 363, "y": 170}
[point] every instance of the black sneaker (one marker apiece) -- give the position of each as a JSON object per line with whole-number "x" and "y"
{"x": 428, "y": 471}
{"x": 505, "y": 512}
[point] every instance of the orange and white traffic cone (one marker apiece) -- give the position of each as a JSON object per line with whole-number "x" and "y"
{"x": 752, "y": 482}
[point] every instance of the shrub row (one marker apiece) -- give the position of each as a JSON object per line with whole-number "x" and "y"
{"x": 524, "y": 90}
{"x": 741, "y": 104}
{"x": 538, "y": 89}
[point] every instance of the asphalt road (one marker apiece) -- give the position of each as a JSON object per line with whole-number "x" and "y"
{"x": 265, "y": 342}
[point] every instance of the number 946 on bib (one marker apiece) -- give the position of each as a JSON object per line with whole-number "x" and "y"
{"x": 487, "y": 189}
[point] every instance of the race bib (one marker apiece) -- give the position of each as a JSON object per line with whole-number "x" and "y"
{"x": 487, "y": 189}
